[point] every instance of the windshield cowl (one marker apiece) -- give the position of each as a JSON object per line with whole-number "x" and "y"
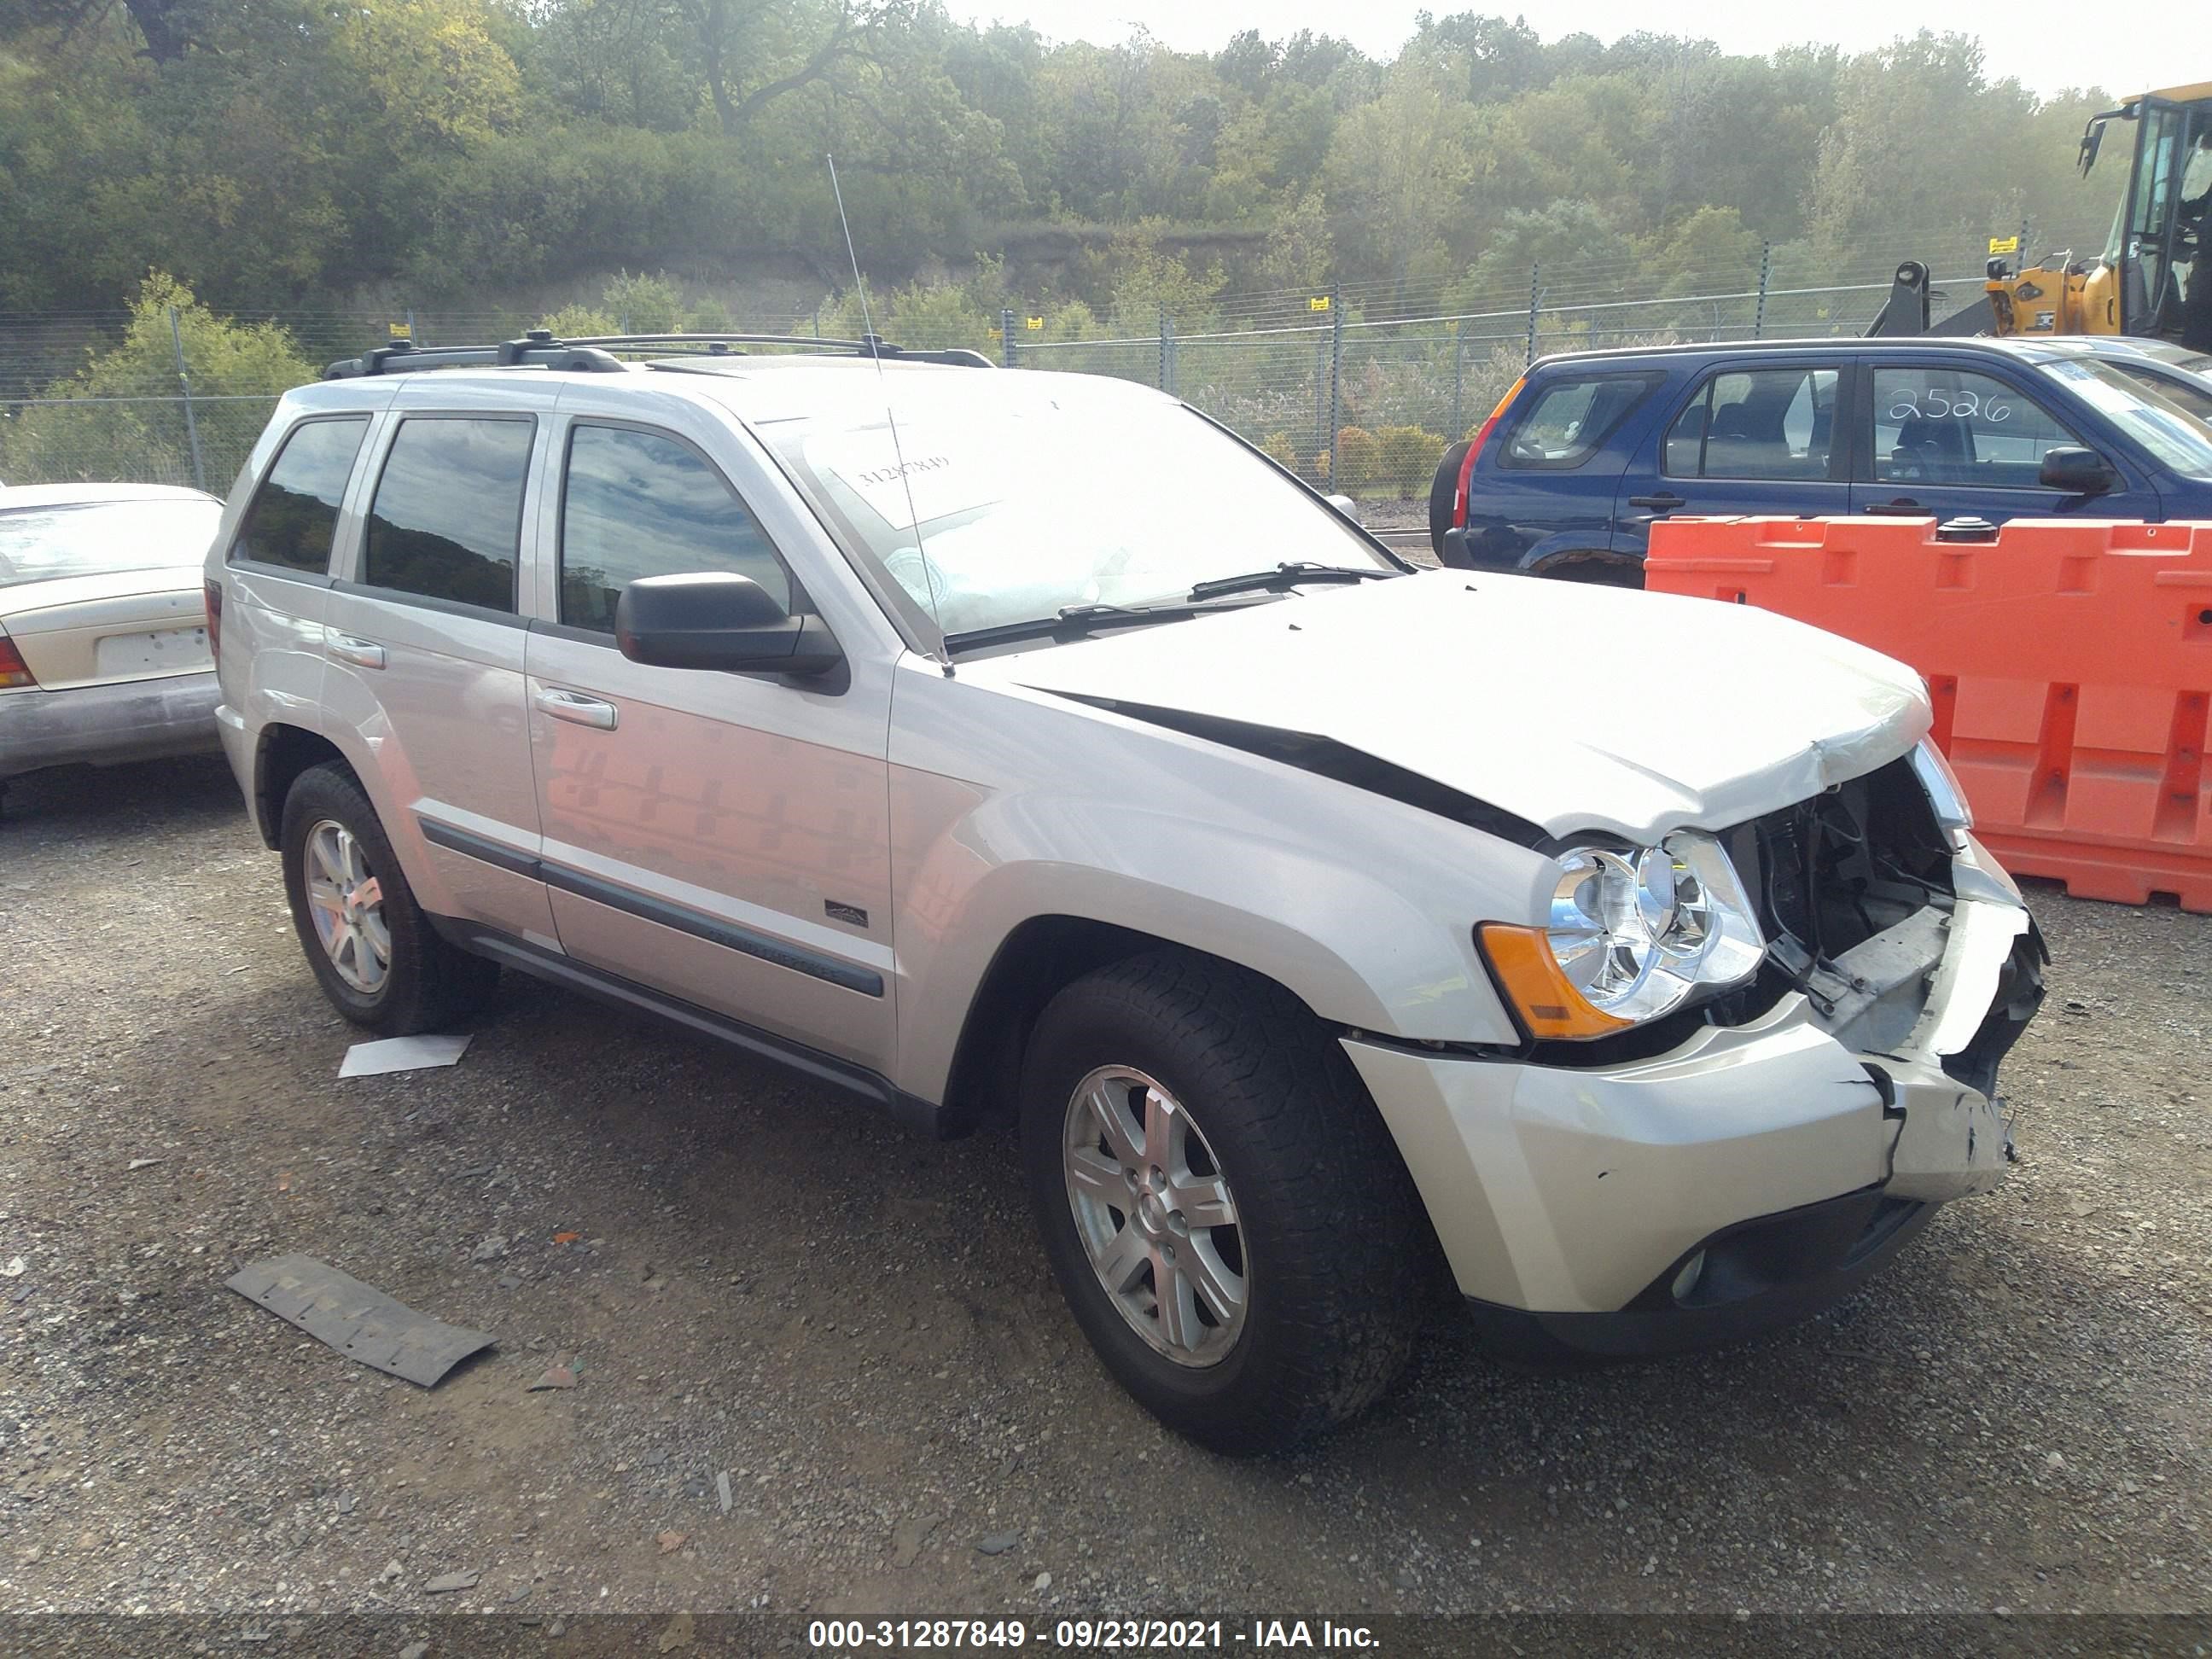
{"x": 1083, "y": 621}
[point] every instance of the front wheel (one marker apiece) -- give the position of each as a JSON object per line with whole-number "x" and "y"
{"x": 1224, "y": 1212}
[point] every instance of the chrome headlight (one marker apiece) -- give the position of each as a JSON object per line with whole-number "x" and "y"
{"x": 1635, "y": 932}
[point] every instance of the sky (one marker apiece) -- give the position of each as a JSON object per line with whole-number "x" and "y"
{"x": 2047, "y": 45}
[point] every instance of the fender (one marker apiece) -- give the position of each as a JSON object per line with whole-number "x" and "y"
{"x": 1362, "y": 906}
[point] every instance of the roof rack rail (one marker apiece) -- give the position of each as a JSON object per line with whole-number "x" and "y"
{"x": 720, "y": 345}
{"x": 540, "y": 349}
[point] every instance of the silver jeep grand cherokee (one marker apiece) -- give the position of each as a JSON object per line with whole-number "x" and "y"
{"x": 1025, "y": 743}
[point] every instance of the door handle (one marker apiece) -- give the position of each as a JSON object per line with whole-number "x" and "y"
{"x": 1666, "y": 500}
{"x": 1903, "y": 508}
{"x": 362, "y": 653}
{"x": 576, "y": 708}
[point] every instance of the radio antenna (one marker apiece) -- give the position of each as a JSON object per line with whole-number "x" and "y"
{"x": 875, "y": 344}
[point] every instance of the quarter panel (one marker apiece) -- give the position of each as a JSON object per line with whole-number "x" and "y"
{"x": 272, "y": 648}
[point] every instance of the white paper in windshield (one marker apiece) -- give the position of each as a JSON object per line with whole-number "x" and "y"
{"x": 927, "y": 476}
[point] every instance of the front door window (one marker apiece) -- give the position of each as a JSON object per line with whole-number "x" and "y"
{"x": 1939, "y": 426}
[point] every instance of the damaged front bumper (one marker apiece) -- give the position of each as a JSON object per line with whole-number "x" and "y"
{"x": 1744, "y": 1179}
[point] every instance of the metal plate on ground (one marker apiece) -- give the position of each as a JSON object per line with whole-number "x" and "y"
{"x": 357, "y": 1320}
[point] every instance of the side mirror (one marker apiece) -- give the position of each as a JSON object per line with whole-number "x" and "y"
{"x": 718, "y": 620}
{"x": 1346, "y": 506}
{"x": 2092, "y": 139}
{"x": 2076, "y": 471}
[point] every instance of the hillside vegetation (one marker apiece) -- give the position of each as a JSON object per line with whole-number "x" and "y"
{"x": 284, "y": 154}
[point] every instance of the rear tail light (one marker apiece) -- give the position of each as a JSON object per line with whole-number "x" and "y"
{"x": 1474, "y": 449}
{"x": 14, "y": 671}
{"x": 214, "y": 591}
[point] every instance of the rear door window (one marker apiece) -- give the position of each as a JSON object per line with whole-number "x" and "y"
{"x": 1761, "y": 423}
{"x": 1570, "y": 419}
{"x": 647, "y": 504}
{"x": 1936, "y": 425}
{"x": 295, "y": 513}
{"x": 447, "y": 517}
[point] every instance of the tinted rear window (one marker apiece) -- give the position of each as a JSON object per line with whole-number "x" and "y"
{"x": 448, "y": 516}
{"x": 90, "y": 538}
{"x": 296, "y": 511}
{"x": 1569, "y": 419}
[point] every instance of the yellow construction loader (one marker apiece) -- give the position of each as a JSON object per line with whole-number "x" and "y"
{"x": 2153, "y": 277}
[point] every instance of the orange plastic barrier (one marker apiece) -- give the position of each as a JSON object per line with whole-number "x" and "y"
{"x": 2070, "y": 663}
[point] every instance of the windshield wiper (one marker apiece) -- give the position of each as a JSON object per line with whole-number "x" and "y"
{"x": 1072, "y": 622}
{"x": 1288, "y": 575}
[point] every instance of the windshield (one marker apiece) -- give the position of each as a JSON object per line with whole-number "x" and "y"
{"x": 91, "y": 538}
{"x": 2146, "y": 410}
{"x": 1035, "y": 493}
{"x": 2193, "y": 394}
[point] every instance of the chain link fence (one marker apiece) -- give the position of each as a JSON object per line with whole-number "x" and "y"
{"x": 1359, "y": 387}
{"x": 1367, "y": 407}
{"x": 150, "y": 397}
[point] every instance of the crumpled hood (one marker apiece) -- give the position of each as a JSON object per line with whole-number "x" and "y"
{"x": 1575, "y": 708}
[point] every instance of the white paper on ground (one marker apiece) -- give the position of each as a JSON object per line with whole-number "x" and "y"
{"x": 407, "y": 1054}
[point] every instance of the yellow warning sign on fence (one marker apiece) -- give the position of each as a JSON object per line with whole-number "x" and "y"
{"x": 1319, "y": 302}
{"x": 399, "y": 330}
{"x": 1033, "y": 323}
{"x": 995, "y": 334}
{"x": 2004, "y": 244}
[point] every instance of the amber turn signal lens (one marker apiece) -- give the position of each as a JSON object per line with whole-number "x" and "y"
{"x": 1527, "y": 972}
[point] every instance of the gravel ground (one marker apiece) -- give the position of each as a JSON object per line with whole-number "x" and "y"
{"x": 857, "y": 1328}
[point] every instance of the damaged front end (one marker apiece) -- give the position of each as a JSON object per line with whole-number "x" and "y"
{"x": 1748, "y": 1159}
{"x": 1915, "y": 952}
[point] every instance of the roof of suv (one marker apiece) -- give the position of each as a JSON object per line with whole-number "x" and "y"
{"x": 761, "y": 389}
{"x": 2039, "y": 349}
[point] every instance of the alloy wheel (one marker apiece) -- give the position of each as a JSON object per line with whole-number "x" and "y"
{"x": 1155, "y": 1215}
{"x": 346, "y": 901}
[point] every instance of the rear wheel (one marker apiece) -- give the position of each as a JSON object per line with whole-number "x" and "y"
{"x": 371, "y": 945}
{"x": 1226, "y": 1215}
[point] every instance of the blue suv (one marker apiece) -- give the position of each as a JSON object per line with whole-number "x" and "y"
{"x": 1588, "y": 450}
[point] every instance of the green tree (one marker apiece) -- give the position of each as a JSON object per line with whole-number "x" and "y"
{"x": 1399, "y": 170}
{"x": 1149, "y": 280}
{"x": 1574, "y": 247}
{"x": 123, "y": 416}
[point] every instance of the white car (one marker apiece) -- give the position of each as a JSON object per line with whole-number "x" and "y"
{"x": 103, "y": 630}
{"x": 1026, "y": 746}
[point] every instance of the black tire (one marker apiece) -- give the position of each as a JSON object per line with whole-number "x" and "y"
{"x": 431, "y": 985}
{"x": 1443, "y": 493}
{"x": 1330, "y": 1235}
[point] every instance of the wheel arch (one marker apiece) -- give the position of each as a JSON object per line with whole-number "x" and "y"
{"x": 1042, "y": 956}
{"x": 282, "y": 753}
{"x": 1601, "y": 565}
